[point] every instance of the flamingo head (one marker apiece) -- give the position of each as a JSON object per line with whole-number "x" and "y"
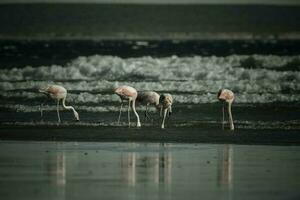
{"x": 170, "y": 113}
{"x": 43, "y": 88}
{"x": 226, "y": 95}
{"x": 76, "y": 115}
{"x": 118, "y": 90}
{"x": 170, "y": 110}
{"x": 221, "y": 95}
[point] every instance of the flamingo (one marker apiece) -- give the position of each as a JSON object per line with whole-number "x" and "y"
{"x": 130, "y": 94}
{"x": 57, "y": 93}
{"x": 226, "y": 96}
{"x": 148, "y": 98}
{"x": 165, "y": 101}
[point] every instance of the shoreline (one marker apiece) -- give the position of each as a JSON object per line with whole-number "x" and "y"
{"x": 211, "y": 135}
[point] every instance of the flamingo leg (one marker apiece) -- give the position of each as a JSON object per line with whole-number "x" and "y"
{"x": 41, "y": 107}
{"x": 163, "y": 121}
{"x": 138, "y": 123}
{"x": 223, "y": 112}
{"x": 129, "y": 112}
{"x": 58, "y": 111}
{"x": 147, "y": 115}
{"x": 169, "y": 112}
{"x": 119, "y": 118}
{"x": 230, "y": 117}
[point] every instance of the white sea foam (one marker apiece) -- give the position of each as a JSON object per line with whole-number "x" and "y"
{"x": 158, "y": 69}
{"x": 85, "y": 98}
{"x": 36, "y": 108}
{"x": 65, "y": 124}
{"x": 254, "y": 79}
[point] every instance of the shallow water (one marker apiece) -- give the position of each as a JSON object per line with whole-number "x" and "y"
{"x": 70, "y": 170}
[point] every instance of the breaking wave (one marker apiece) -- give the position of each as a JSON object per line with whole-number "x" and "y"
{"x": 254, "y": 79}
{"x": 226, "y": 69}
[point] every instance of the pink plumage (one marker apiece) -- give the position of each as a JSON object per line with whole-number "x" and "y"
{"x": 226, "y": 96}
{"x": 165, "y": 102}
{"x": 126, "y": 92}
{"x": 129, "y": 94}
{"x": 58, "y": 93}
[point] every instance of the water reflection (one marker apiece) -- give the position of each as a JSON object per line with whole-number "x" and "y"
{"x": 56, "y": 172}
{"x": 150, "y": 167}
{"x": 225, "y": 167}
{"x": 128, "y": 168}
{"x": 56, "y": 168}
{"x": 164, "y": 166}
{"x": 154, "y": 167}
{"x": 147, "y": 167}
{"x": 152, "y": 171}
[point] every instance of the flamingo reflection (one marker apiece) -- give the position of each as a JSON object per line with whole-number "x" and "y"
{"x": 156, "y": 168}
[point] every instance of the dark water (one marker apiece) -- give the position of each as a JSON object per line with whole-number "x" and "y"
{"x": 147, "y": 21}
{"x": 70, "y": 170}
{"x": 20, "y": 53}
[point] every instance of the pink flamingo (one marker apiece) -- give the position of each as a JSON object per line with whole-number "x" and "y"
{"x": 165, "y": 101}
{"x": 148, "y": 98}
{"x": 130, "y": 94}
{"x": 226, "y": 96}
{"x": 58, "y": 93}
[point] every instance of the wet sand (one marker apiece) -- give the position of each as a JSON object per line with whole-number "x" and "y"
{"x": 203, "y": 134}
{"x": 254, "y": 124}
{"x": 92, "y": 170}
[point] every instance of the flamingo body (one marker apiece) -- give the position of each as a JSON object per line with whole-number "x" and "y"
{"x": 126, "y": 92}
{"x": 54, "y": 91}
{"x": 165, "y": 102}
{"x": 129, "y": 94}
{"x": 148, "y": 98}
{"x": 58, "y": 93}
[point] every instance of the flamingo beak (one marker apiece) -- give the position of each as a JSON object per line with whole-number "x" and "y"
{"x": 76, "y": 117}
{"x": 170, "y": 111}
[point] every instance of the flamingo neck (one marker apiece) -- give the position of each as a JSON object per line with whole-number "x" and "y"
{"x": 230, "y": 116}
{"x": 69, "y": 107}
{"x": 136, "y": 114}
{"x": 163, "y": 121}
